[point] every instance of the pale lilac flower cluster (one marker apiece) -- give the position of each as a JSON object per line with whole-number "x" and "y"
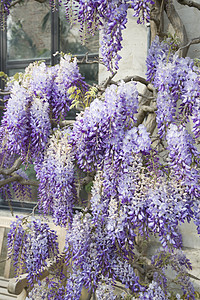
{"x": 118, "y": 159}
{"x": 157, "y": 52}
{"x": 103, "y": 124}
{"x": 175, "y": 79}
{"x": 57, "y": 192}
{"x": 31, "y": 243}
{"x": 168, "y": 80}
{"x": 66, "y": 74}
{"x": 190, "y": 103}
{"x": 94, "y": 255}
{"x": 183, "y": 156}
{"x": 15, "y": 123}
{"x": 38, "y": 98}
{"x": 154, "y": 291}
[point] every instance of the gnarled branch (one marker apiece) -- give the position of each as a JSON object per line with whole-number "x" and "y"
{"x": 189, "y": 3}
{"x": 12, "y": 169}
{"x": 18, "y": 178}
{"x": 191, "y": 42}
{"x": 178, "y": 26}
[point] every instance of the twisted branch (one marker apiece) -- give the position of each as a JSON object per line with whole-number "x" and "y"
{"x": 12, "y": 169}
{"x": 189, "y": 3}
{"x": 18, "y": 178}
{"x": 191, "y": 42}
{"x": 178, "y": 26}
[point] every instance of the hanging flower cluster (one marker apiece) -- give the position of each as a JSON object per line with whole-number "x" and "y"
{"x": 175, "y": 79}
{"x": 38, "y": 98}
{"x": 96, "y": 258}
{"x": 111, "y": 18}
{"x": 103, "y": 125}
{"x": 142, "y": 10}
{"x": 31, "y": 244}
{"x": 57, "y": 191}
{"x": 183, "y": 156}
{"x": 136, "y": 192}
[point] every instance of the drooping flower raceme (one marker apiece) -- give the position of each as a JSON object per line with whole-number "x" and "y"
{"x": 66, "y": 74}
{"x": 31, "y": 243}
{"x": 110, "y": 17}
{"x": 57, "y": 179}
{"x": 94, "y": 259}
{"x": 114, "y": 21}
{"x": 103, "y": 124}
{"x": 39, "y": 98}
{"x": 157, "y": 52}
{"x": 176, "y": 80}
{"x": 142, "y": 10}
{"x": 15, "y": 124}
{"x": 183, "y": 155}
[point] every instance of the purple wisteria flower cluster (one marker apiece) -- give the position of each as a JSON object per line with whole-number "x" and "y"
{"x": 110, "y": 17}
{"x": 94, "y": 259}
{"x": 31, "y": 243}
{"x": 138, "y": 191}
{"x": 39, "y": 98}
{"x": 184, "y": 157}
{"x": 103, "y": 125}
{"x": 57, "y": 191}
{"x": 176, "y": 79}
{"x": 142, "y": 10}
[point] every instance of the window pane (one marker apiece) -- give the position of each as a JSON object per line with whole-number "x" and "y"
{"x": 12, "y": 72}
{"x": 29, "y": 31}
{"x": 90, "y": 72}
{"x": 70, "y": 40}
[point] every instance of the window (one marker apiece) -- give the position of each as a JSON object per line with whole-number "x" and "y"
{"x": 34, "y": 32}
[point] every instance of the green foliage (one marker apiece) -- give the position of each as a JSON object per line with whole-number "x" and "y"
{"x": 80, "y": 100}
{"x": 3, "y": 76}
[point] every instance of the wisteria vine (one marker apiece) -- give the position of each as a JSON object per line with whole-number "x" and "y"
{"x": 142, "y": 186}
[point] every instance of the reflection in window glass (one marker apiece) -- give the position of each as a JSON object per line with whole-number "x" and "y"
{"x": 89, "y": 72}
{"x": 29, "y": 31}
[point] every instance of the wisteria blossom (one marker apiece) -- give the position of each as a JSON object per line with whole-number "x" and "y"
{"x": 34, "y": 243}
{"x": 57, "y": 192}
{"x": 39, "y": 97}
{"x": 143, "y": 185}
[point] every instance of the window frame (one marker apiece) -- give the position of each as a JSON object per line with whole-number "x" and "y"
{"x": 6, "y": 65}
